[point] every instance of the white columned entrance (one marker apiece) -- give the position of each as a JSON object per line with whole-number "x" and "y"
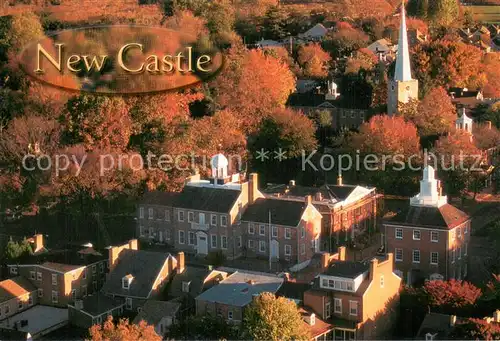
{"x": 202, "y": 243}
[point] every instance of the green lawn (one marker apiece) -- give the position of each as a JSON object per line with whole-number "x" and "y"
{"x": 487, "y": 14}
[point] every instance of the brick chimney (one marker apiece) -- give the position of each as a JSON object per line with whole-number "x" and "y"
{"x": 339, "y": 180}
{"x": 181, "y": 265}
{"x": 488, "y": 124}
{"x": 253, "y": 187}
{"x": 341, "y": 250}
{"x": 496, "y": 316}
{"x": 114, "y": 252}
{"x": 133, "y": 244}
{"x": 373, "y": 268}
{"x": 325, "y": 261}
{"x": 38, "y": 242}
{"x": 308, "y": 200}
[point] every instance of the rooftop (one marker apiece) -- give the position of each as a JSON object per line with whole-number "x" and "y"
{"x": 53, "y": 318}
{"x": 240, "y": 288}
{"x": 444, "y": 217}
{"x": 283, "y": 212}
{"x": 14, "y": 287}
{"x": 153, "y": 311}
{"x": 347, "y": 269}
{"x": 99, "y": 303}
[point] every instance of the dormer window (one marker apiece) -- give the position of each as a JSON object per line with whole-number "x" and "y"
{"x": 185, "y": 286}
{"x": 126, "y": 281}
{"x": 429, "y": 336}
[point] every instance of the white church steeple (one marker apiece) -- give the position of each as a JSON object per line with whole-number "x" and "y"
{"x": 464, "y": 122}
{"x": 402, "y": 88}
{"x": 430, "y": 191}
{"x": 403, "y": 69}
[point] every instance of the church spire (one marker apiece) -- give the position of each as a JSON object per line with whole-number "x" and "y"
{"x": 403, "y": 69}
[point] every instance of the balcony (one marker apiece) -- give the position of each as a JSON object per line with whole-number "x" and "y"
{"x": 200, "y": 227}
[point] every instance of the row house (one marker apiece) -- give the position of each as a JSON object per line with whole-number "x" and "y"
{"x": 430, "y": 238}
{"x": 347, "y": 210}
{"x": 229, "y": 214}
{"x": 62, "y": 276}
{"x": 357, "y": 298}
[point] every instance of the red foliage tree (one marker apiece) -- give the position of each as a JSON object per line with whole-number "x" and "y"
{"x": 486, "y": 137}
{"x": 314, "y": 60}
{"x": 123, "y": 331}
{"x": 451, "y": 294}
{"x": 476, "y": 329}
{"x": 457, "y": 148}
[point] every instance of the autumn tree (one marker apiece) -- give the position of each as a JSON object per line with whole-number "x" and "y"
{"x": 123, "y": 331}
{"x": 447, "y": 64}
{"x": 344, "y": 40}
{"x": 387, "y": 135}
{"x": 457, "y": 149}
{"x": 253, "y": 84}
{"x": 204, "y": 327}
{"x": 491, "y": 68}
{"x": 452, "y": 295}
{"x": 15, "y": 250}
{"x": 476, "y": 329}
{"x": 444, "y": 12}
{"x": 313, "y": 60}
{"x": 186, "y": 22}
{"x": 363, "y": 59}
{"x": 274, "y": 318}
{"x": 486, "y": 137}
{"x": 434, "y": 115}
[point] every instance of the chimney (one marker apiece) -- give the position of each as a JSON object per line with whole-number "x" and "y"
{"x": 339, "y": 180}
{"x": 325, "y": 261}
{"x": 439, "y": 188}
{"x": 38, "y": 242}
{"x": 308, "y": 200}
{"x": 181, "y": 265}
{"x": 133, "y": 245}
{"x": 114, "y": 252}
{"x": 341, "y": 250}
{"x": 488, "y": 123}
{"x": 318, "y": 196}
{"x": 253, "y": 187}
{"x": 373, "y": 268}
{"x": 453, "y": 320}
{"x": 496, "y": 316}
{"x": 291, "y": 183}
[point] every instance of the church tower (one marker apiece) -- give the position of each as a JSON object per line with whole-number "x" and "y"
{"x": 402, "y": 88}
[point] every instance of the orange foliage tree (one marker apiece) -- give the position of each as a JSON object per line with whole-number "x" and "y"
{"x": 344, "y": 40}
{"x": 384, "y": 135}
{"x": 457, "y": 148}
{"x": 486, "y": 137}
{"x": 123, "y": 331}
{"x": 253, "y": 84}
{"x": 314, "y": 60}
{"x": 363, "y": 59}
{"x": 434, "y": 115}
{"x": 491, "y": 67}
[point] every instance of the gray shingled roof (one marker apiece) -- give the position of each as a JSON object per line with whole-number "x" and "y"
{"x": 99, "y": 303}
{"x": 445, "y": 217}
{"x": 153, "y": 311}
{"x": 283, "y": 212}
{"x": 239, "y": 289}
{"x": 144, "y": 266}
{"x": 210, "y": 199}
{"x": 192, "y": 274}
{"x": 347, "y": 269}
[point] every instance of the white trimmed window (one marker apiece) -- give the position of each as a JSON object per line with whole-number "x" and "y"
{"x": 141, "y": 212}
{"x": 262, "y": 246}
{"x": 223, "y": 220}
{"x": 13, "y": 270}
{"x": 416, "y": 256}
{"x": 20, "y": 305}
{"x": 223, "y": 242}
{"x": 262, "y": 230}
{"x": 167, "y": 215}
{"x": 328, "y": 310}
{"x": 32, "y": 275}
{"x": 353, "y": 308}
{"x": 337, "y": 305}
{"x": 251, "y": 243}
{"x": 150, "y": 213}
{"x": 288, "y": 250}
{"x": 55, "y": 296}
{"x": 213, "y": 220}
{"x": 275, "y": 231}
{"x": 182, "y": 237}
{"x": 434, "y": 236}
{"x": 180, "y": 216}
{"x": 213, "y": 241}
{"x": 434, "y": 258}
{"x": 38, "y": 276}
{"x": 190, "y": 217}
{"x": 191, "y": 238}
{"x": 251, "y": 228}
{"x": 54, "y": 279}
{"x": 288, "y": 233}
{"x": 416, "y": 234}
{"x": 399, "y": 233}
{"x": 398, "y": 254}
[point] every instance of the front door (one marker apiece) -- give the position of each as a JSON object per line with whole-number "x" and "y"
{"x": 202, "y": 245}
{"x": 275, "y": 249}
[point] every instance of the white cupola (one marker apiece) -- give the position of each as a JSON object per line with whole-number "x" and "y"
{"x": 430, "y": 191}
{"x": 464, "y": 122}
{"x": 219, "y": 165}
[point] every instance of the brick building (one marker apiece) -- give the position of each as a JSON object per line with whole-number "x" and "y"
{"x": 429, "y": 238}
{"x": 347, "y": 210}
{"x": 356, "y": 297}
{"x": 16, "y": 294}
{"x": 229, "y": 214}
